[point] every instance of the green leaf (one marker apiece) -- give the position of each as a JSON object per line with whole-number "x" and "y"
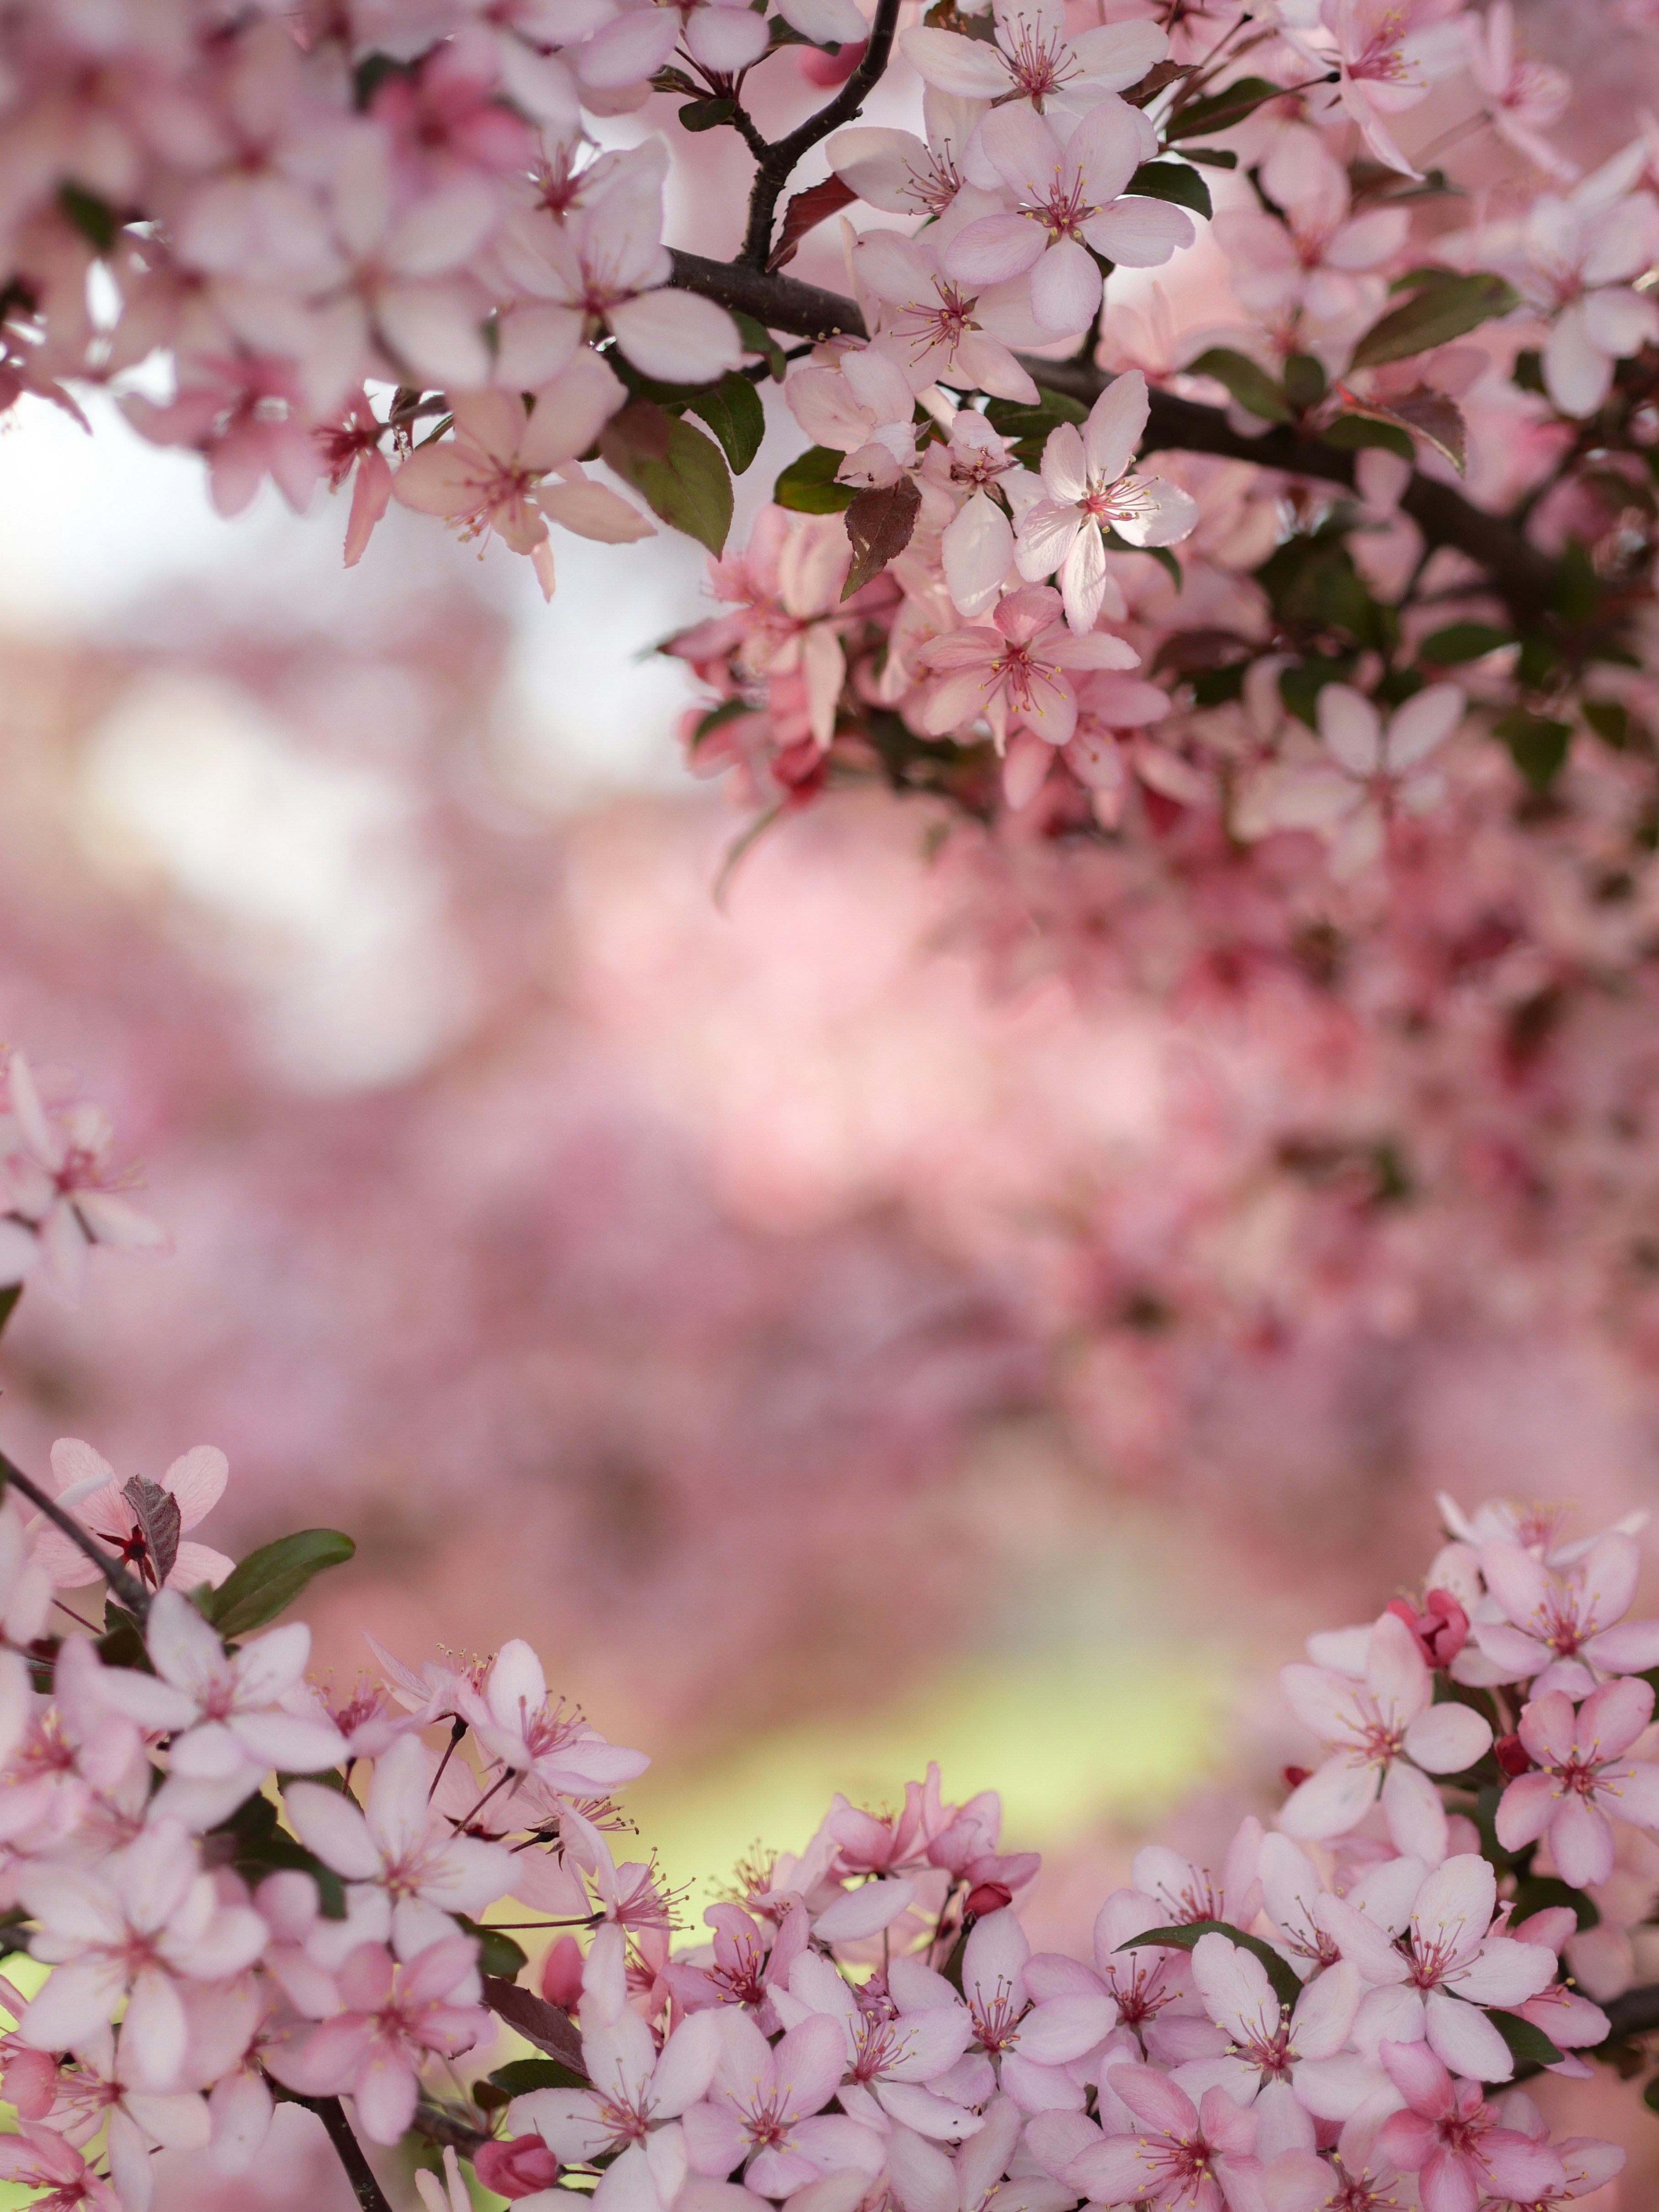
{"x": 1172, "y": 181}
{"x": 497, "y": 1953}
{"x": 1461, "y": 641}
{"x": 1538, "y": 744}
{"x": 878, "y": 526}
{"x": 1577, "y": 587}
{"x": 1350, "y": 432}
{"x": 681, "y": 473}
{"x": 1221, "y": 110}
{"x": 757, "y": 340}
{"x": 1526, "y": 2043}
{"x": 1609, "y": 720}
{"x": 1248, "y": 382}
{"x": 733, "y": 412}
{"x": 268, "y": 1580}
{"x": 1541, "y": 1891}
{"x": 95, "y": 218}
{"x": 1286, "y": 1986}
{"x": 706, "y": 114}
{"x": 254, "y": 1843}
{"x": 1014, "y": 418}
{"x": 1212, "y": 157}
{"x": 1301, "y": 684}
{"x": 1447, "y": 308}
{"x": 808, "y": 486}
{"x": 717, "y": 717}
{"x": 1305, "y": 382}
{"x": 520, "y": 2075}
{"x": 9, "y": 1299}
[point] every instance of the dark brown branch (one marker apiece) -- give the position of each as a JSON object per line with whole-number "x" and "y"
{"x": 1519, "y": 573}
{"x": 1635, "y": 2013}
{"x": 359, "y": 2173}
{"x": 777, "y": 165}
{"x": 132, "y": 1594}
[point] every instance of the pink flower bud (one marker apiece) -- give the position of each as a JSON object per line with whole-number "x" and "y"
{"x": 562, "y": 1973}
{"x": 1441, "y": 1629}
{"x": 819, "y": 67}
{"x": 518, "y": 2168}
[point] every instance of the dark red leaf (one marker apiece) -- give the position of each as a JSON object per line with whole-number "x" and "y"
{"x": 878, "y": 525}
{"x": 538, "y": 2022}
{"x": 156, "y": 1512}
{"x": 806, "y": 212}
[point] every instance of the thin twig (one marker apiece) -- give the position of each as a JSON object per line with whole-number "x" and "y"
{"x": 776, "y": 166}
{"x": 331, "y": 2113}
{"x": 132, "y": 1595}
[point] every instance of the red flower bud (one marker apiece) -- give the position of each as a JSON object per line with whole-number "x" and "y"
{"x": 1512, "y": 1755}
{"x": 1440, "y": 1631}
{"x": 1295, "y": 1776}
{"x": 987, "y": 1897}
{"x": 518, "y": 2168}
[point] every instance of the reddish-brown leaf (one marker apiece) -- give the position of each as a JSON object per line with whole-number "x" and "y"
{"x": 878, "y": 525}
{"x": 804, "y": 212}
{"x": 156, "y": 1512}
{"x": 1425, "y": 414}
{"x": 547, "y": 2026}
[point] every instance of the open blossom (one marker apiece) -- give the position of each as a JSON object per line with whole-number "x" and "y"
{"x": 862, "y": 407}
{"x": 1018, "y": 674}
{"x": 1183, "y": 2154}
{"x": 1033, "y": 60}
{"x": 891, "y": 2060}
{"x": 1289, "y": 2068}
{"x": 146, "y": 1921}
{"x": 493, "y": 475}
{"x": 1382, "y": 1737}
{"x": 1090, "y": 488}
{"x": 896, "y": 170}
{"x": 393, "y": 2017}
{"x": 40, "y": 2158}
{"x": 939, "y": 331}
{"x": 92, "y": 2092}
{"x": 87, "y": 1487}
{"x": 765, "y": 2110}
{"x": 1561, "y": 1630}
{"x": 1314, "y": 262}
{"x": 1389, "y": 52}
{"x": 397, "y": 1844}
{"x": 1453, "y": 2141}
{"x": 539, "y": 1741}
{"x": 1583, "y": 1777}
{"x": 628, "y": 2116}
{"x": 1425, "y": 1944}
{"x": 1369, "y": 773}
{"x": 1069, "y": 205}
{"x": 59, "y": 1194}
{"x": 1523, "y": 97}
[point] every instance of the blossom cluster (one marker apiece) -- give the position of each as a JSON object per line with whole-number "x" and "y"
{"x": 245, "y": 1886}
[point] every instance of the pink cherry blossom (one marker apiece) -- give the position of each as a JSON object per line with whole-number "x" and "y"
{"x": 393, "y": 2018}
{"x": 491, "y": 477}
{"x": 61, "y": 1193}
{"x": 1562, "y": 1630}
{"x": 1090, "y": 488}
{"x": 88, "y": 1488}
{"x": 1183, "y": 2154}
{"x": 764, "y": 2111}
{"x": 1450, "y": 2138}
{"x": 137, "y": 1927}
{"x": 1017, "y": 674}
{"x": 1583, "y": 1775}
{"x": 1289, "y": 2069}
{"x": 37, "y": 2157}
{"x": 1446, "y": 1965}
{"x": 1069, "y": 205}
{"x": 1523, "y": 97}
{"x": 1034, "y": 61}
{"x": 1381, "y": 1737}
{"x": 1369, "y": 775}
{"x": 630, "y": 2114}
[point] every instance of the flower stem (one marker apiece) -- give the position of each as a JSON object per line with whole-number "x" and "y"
{"x": 359, "y": 2173}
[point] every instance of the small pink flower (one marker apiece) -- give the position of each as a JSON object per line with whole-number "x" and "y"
{"x": 1583, "y": 1777}
{"x": 1018, "y": 675}
{"x": 58, "y": 1194}
{"x": 37, "y": 2157}
{"x": 1562, "y": 1630}
{"x": 1450, "y": 2137}
{"x": 393, "y": 2018}
{"x": 87, "y": 1489}
{"x": 765, "y": 2111}
{"x": 1184, "y": 2157}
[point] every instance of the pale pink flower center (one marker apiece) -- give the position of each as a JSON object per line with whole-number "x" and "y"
{"x": 1062, "y": 209}
{"x": 1124, "y": 499}
{"x": 996, "y": 2015}
{"x": 1039, "y": 61}
{"x": 943, "y": 323}
{"x": 935, "y": 184}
